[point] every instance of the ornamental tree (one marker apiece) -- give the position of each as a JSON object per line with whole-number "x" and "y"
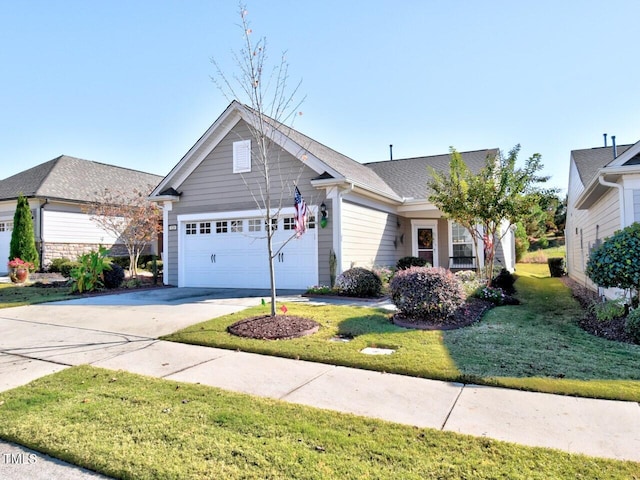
{"x": 271, "y": 103}
{"x": 487, "y": 203}
{"x": 615, "y": 262}
{"x": 23, "y": 242}
{"x": 131, "y": 217}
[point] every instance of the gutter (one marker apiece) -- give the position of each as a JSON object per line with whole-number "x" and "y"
{"x": 620, "y": 188}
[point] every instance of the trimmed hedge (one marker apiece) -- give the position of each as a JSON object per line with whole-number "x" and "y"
{"x": 431, "y": 293}
{"x": 408, "y": 262}
{"x": 359, "y": 282}
{"x": 557, "y": 266}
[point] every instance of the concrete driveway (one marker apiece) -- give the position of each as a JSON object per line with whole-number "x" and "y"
{"x": 40, "y": 339}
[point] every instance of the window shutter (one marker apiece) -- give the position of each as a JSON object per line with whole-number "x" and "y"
{"x": 242, "y": 156}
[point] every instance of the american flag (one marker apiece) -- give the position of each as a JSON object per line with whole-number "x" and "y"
{"x": 301, "y": 213}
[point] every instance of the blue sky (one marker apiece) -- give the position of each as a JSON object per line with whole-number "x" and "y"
{"x": 128, "y": 83}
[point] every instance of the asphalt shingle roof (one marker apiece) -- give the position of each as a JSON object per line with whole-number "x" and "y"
{"x": 409, "y": 177}
{"x": 588, "y": 161}
{"x": 70, "y": 178}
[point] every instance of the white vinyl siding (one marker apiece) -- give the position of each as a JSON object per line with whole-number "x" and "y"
{"x": 66, "y": 227}
{"x": 636, "y": 205}
{"x": 369, "y": 237}
{"x": 242, "y": 156}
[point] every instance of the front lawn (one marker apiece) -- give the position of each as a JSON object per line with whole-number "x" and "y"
{"x": 16, "y": 295}
{"x": 130, "y": 426}
{"x": 535, "y": 345}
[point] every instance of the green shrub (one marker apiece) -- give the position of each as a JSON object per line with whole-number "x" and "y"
{"x": 504, "y": 281}
{"x": 56, "y": 263}
{"x": 66, "y": 267}
{"x": 88, "y": 275}
{"x": 492, "y": 294}
{"x": 469, "y": 280}
{"x": 609, "y": 310}
{"x": 632, "y": 325}
{"x": 114, "y": 276}
{"x": 557, "y": 266}
{"x": 359, "y": 282}
{"x": 122, "y": 261}
{"x": 385, "y": 273}
{"x": 426, "y": 292}
{"x": 615, "y": 263}
{"x": 408, "y": 262}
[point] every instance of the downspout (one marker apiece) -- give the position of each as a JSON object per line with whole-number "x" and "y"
{"x": 620, "y": 188}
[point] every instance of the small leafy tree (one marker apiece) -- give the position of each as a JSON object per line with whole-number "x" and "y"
{"x": 23, "y": 243}
{"x": 131, "y": 217}
{"x": 615, "y": 262}
{"x": 88, "y": 275}
{"x": 488, "y": 202}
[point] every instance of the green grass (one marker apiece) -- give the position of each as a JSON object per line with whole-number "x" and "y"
{"x": 541, "y": 256}
{"x": 130, "y": 426}
{"x": 534, "y": 346}
{"x": 16, "y": 295}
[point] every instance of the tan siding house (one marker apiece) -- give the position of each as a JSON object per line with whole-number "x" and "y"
{"x": 214, "y": 204}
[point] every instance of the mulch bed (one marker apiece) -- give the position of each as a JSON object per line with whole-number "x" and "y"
{"x": 469, "y": 313}
{"x": 611, "y": 330}
{"x": 280, "y": 327}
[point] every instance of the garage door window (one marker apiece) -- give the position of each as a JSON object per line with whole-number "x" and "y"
{"x": 255, "y": 225}
{"x": 237, "y": 226}
{"x": 6, "y": 226}
{"x": 192, "y": 228}
{"x": 289, "y": 223}
{"x": 205, "y": 228}
{"x": 222, "y": 227}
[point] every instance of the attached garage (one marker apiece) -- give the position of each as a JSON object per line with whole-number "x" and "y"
{"x": 6, "y": 226}
{"x": 229, "y": 250}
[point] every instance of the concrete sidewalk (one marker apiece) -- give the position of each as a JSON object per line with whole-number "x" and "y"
{"x": 67, "y": 333}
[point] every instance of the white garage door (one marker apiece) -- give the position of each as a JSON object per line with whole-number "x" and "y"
{"x": 232, "y": 253}
{"x": 5, "y": 240}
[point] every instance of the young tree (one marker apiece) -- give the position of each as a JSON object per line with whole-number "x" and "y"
{"x": 23, "y": 243}
{"x": 271, "y": 106}
{"x": 131, "y": 217}
{"x": 488, "y": 202}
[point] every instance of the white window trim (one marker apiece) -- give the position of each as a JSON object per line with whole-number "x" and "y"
{"x": 242, "y": 156}
{"x": 474, "y": 250}
{"x": 433, "y": 224}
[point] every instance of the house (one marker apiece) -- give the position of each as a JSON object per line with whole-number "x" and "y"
{"x": 58, "y": 191}
{"x": 603, "y": 197}
{"x": 376, "y": 212}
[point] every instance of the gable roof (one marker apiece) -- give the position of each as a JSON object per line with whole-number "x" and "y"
{"x": 328, "y": 163}
{"x": 408, "y": 177}
{"x": 70, "y": 178}
{"x": 589, "y": 161}
{"x": 395, "y": 180}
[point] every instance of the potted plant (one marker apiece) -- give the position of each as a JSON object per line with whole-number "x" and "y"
{"x": 19, "y": 270}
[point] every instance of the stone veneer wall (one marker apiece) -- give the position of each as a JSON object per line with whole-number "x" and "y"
{"x": 72, "y": 251}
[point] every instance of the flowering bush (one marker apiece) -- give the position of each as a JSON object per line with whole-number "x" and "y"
{"x": 359, "y": 282}
{"x": 320, "y": 290}
{"x": 426, "y": 292}
{"x": 470, "y": 281}
{"x": 19, "y": 263}
{"x": 492, "y": 294}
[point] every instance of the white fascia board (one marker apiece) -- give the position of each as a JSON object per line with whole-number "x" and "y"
{"x": 625, "y": 156}
{"x": 417, "y": 206}
{"x": 594, "y": 190}
{"x": 164, "y": 198}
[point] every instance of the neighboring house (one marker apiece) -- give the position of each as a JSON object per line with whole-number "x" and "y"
{"x": 377, "y": 212}
{"x": 58, "y": 192}
{"x": 604, "y": 196}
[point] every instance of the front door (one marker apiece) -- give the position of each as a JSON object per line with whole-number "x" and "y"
{"x": 425, "y": 234}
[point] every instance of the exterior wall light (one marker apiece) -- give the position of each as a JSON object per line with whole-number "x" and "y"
{"x": 323, "y": 215}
